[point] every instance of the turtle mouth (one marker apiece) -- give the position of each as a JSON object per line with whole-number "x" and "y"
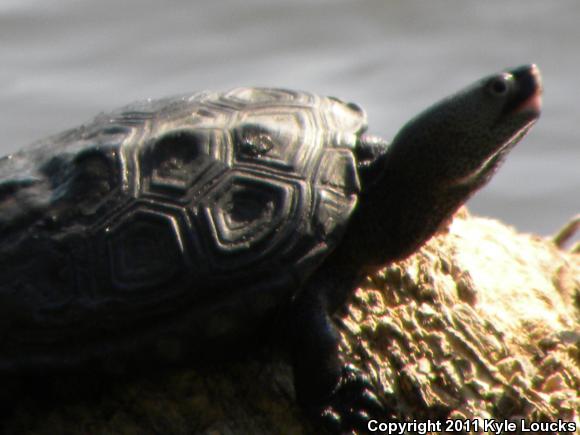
{"x": 528, "y": 99}
{"x": 487, "y": 168}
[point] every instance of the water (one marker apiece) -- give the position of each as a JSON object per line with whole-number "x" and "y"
{"x": 66, "y": 60}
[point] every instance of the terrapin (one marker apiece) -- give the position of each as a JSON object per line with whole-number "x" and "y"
{"x": 198, "y": 219}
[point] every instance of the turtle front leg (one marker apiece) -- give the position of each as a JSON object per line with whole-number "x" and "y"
{"x": 335, "y": 393}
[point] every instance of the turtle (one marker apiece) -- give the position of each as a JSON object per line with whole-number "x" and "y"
{"x": 156, "y": 231}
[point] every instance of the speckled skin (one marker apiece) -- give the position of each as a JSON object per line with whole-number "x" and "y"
{"x": 158, "y": 229}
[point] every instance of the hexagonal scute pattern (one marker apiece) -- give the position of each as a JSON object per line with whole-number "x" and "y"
{"x": 247, "y": 218}
{"x": 267, "y": 175}
{"x": 284, "y": 139}
{"x": 145, "y": 249}
{"x": 198, "y": 204}
{"x": 179, "y": 165}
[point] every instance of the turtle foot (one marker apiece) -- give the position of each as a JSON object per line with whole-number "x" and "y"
{"x": 352, "y": 405}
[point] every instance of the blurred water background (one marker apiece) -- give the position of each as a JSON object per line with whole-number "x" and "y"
{"x": 64, "y": 61}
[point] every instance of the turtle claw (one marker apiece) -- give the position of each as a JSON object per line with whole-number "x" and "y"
{"x": 352, "y": 404}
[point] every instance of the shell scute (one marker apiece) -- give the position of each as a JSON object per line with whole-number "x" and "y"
{"x": 146, "y": 249}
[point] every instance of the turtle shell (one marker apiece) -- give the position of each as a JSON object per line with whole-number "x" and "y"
{"x": 201, "y": 213}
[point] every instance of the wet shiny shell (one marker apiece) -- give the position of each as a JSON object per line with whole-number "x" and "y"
{"x": 192, "y": 215}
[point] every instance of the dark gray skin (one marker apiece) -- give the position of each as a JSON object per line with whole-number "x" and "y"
{"x": 175, "y": 223}
{"x": 435, "y": 163}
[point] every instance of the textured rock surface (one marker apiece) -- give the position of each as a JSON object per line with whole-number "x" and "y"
{"x": 482, "y": 322}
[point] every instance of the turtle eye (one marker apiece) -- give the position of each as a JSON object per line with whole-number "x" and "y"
{"x": 499, "y": 86}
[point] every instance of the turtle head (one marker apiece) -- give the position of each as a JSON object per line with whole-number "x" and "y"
{"x": 445, "y": 154}
{"x": 461, "y": 140}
